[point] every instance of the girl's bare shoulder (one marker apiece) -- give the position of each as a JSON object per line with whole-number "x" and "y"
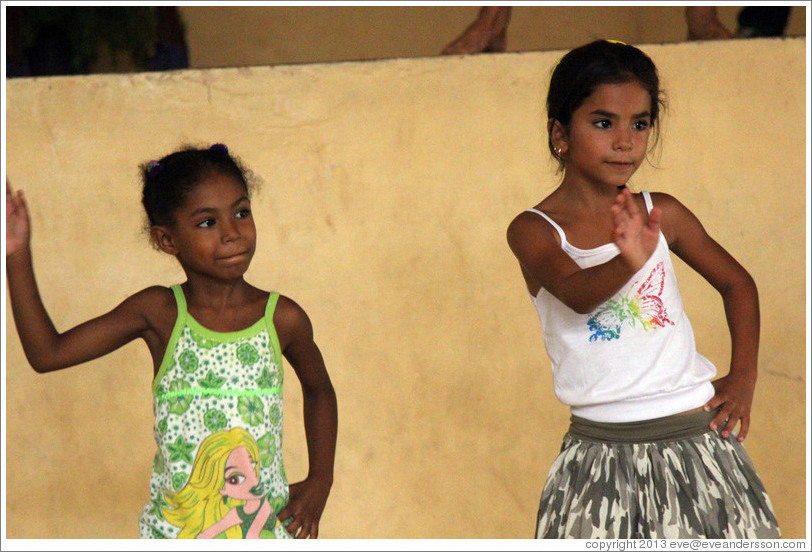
{"x": 676, "y": 217}
{"x": 529, "y": 230}
{"x": 156, "y": 304}
{"x": 288, "y": 313}
{"x": 155, "y": 297}
{"x": 291, "y": 322}
{"x": 665, "y": 201}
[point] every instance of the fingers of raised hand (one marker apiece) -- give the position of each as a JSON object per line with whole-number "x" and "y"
{"x": 15, "y": 202}
{"x": 621, "y": 219}
{"x": 11, "y": 201}
{"x": 654, "y": 217}
{"x": 628, "y": 201}
{"x": 621, "y": 204}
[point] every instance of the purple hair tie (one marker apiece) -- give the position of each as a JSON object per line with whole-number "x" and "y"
{"x": 219, "y": 148}
{"x": 154, "y": 168}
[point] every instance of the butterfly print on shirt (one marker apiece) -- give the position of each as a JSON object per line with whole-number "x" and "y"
{"x": 641, "y": 304}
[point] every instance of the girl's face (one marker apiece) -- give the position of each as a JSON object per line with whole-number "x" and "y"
{"x": 241, "y": 479}
{"x": 213, "y": 233}
{"x": 608, "y": 136}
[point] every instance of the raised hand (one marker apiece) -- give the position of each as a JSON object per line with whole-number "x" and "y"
{"x": 18, "y": 223}
{"x": 635, "y": 236}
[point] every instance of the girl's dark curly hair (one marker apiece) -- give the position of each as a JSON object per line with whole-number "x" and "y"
{"x": 168, "y": 181}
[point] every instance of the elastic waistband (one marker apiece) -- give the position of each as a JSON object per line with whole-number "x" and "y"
{"x": 659, "y": 405}
{"x": 668, "y": 428}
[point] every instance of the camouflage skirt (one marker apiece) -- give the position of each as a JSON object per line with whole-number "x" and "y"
{"x": 670, "y": 477}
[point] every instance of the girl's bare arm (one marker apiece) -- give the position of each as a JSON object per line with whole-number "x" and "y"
{"x": 309, "y": 497}
{"x": 544, "y": 264}
{"x": 46, "y": 348}
{"x": 690, "y": 242}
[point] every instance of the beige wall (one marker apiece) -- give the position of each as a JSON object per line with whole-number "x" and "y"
{"x": 388, "y": 187}
{"x": 227, "y": 36}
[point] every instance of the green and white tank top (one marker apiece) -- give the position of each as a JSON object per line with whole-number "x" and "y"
{"x": 218, "y": 427}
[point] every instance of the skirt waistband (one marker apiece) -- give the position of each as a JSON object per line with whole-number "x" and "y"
{"x": 668, "y": 428}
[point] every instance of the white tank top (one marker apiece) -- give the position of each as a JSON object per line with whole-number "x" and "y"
{"x": 634, "y": 357}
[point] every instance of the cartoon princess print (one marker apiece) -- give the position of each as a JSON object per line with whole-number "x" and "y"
{"x": 224, "y": 497}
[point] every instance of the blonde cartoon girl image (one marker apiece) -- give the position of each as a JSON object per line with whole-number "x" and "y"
{"x": 224, "y": 497}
